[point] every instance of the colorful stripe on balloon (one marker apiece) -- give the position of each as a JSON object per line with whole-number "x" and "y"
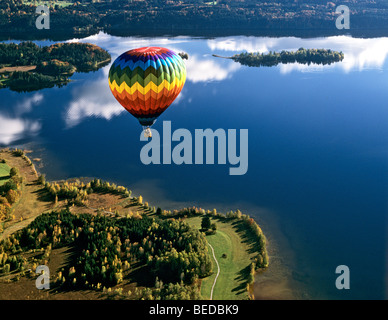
{"x": 147, "y": 80}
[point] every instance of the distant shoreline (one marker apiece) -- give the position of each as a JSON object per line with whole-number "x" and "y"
{"x": 150, "y": 33}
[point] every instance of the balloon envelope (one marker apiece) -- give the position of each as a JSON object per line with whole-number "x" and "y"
{"x": 146, "y": 81}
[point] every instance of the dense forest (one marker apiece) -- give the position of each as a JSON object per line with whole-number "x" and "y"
{"x": 54, "y": 64}
{"x": 10, "y": 191}
{"x": 304, "y": 56}
{"x": 148, "y": 252}
{"x": 69, "y": 18}
{"x": 83, "y": 56}
{"x": 105, "y": 249}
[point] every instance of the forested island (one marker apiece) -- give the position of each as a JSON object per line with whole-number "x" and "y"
{"x": 96, "y": 237}
{"x": 303, "y": 56}
{"x": 69, "y": 18}
{"x": 28, "y": 67}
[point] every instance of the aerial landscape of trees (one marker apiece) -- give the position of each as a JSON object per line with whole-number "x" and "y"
{"x": 108, "y": 251}
{"x": 147, "y": 253}
{"x": 10, "y": 189}
{"x": 83, "y": 56}
{"x": 107, "y": 247}
{"x": 247, "y": 223}
{"x": 52, "y": 65}
{"x": 302, "y": 55}
{"x": 77, "y": 192}
{"x": 69, "y": 18}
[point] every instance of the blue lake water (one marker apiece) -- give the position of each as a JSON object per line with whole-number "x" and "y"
{"x": 318, "y": 148}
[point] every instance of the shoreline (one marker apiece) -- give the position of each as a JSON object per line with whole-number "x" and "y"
{"x": 281, "y": 255}
{"x": 277, "y": 283}
{"x": 15, "y": 225}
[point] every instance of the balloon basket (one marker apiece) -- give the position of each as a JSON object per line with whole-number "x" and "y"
{"x": 147, "y": 132}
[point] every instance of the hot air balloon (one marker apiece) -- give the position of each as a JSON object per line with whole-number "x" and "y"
{"x": 146, "y": 81}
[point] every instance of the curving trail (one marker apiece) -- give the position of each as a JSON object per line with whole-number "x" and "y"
{"x": 218, "y": 273}
{"x": 15, "y": 227}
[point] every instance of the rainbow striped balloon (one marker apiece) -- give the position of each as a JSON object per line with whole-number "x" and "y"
{"x": 146, "y": 81}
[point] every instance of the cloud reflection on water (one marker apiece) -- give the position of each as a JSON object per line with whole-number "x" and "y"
{"x": 16, "y": 127}
{"x": 208, "y": 69}
{"x": 94, "y": 99}
{"x": 360, "y": 53}
{"x": 27, "y": 104}
{"x": 13, "y": 129}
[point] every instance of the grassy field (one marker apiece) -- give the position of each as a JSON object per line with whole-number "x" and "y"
{"x": 228, "y": 240}
{"x": 4, "y": 173}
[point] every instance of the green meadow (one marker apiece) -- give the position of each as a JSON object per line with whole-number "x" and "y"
{"x": 4, "y": 173}
{"x": 232, "y": 251}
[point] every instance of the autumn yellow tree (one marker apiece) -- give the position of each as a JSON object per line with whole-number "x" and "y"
{"x": 12, "y": 196}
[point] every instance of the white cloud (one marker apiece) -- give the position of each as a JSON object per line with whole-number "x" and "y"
{"x": 118, "y": 45}
{"x": 289, "y": 67}
{"x": 12, "y": 129}
{"x": 198, "y": 69}
{"x": 238, "y": 44}
{"x": 26, "y": 105}
{"x": 94, "y": 99}
{"x": 202, "y": 70}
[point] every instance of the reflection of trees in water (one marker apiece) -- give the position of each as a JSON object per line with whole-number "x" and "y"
{"x": 28, "y": 81}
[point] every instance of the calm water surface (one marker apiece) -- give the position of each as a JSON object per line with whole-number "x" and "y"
{"x": 318, "y": 148}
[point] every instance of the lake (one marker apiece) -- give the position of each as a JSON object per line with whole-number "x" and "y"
{"x": 318, "y": 150}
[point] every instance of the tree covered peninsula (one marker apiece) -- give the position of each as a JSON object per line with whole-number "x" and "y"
{"x": 28, "y": 67}
{"x": 302, "y": 55}
{"x": 100, "y": 242}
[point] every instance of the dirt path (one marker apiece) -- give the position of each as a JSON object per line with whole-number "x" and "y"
{"x": 15, "y": 227}
{"x": 30, "y": 205}
{"x": 20, "y": 68}
{"x": 218, "y": 272}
